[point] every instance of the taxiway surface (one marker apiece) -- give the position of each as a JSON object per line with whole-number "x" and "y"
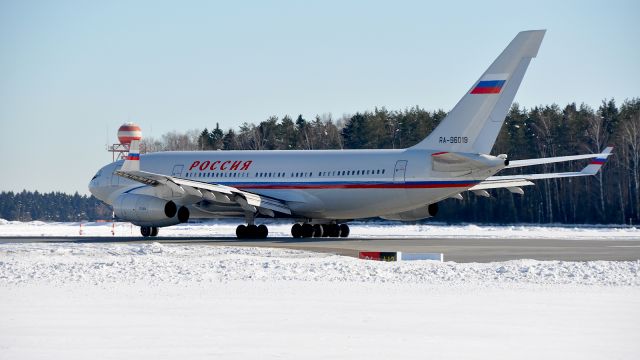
{"x": 458, "y": 250}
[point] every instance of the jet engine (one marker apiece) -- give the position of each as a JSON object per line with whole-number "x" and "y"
{"x": 145, "y": 210}
{"x": 415, "y": 214}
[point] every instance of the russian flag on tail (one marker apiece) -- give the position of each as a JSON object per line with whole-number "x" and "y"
{"x": 490, "y": 84}
{"x": 595, "y": 164}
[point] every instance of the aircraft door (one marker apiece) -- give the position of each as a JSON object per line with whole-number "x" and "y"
{"x": 177, "y": 170}
{"x": 399, "y": 172}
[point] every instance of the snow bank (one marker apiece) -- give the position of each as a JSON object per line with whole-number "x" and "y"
{"x": 156, "y": 301}
{"x": 225, "y": 228}
{"x": 156, "y": 263}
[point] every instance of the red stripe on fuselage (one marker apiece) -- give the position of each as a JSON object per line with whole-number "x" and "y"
{"x": 350, "y": 186}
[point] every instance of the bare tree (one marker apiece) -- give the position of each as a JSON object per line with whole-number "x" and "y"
{"x": 598, "y": 137}
{"x": 631, "y": 140}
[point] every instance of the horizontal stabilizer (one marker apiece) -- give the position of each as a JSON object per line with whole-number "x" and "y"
{"x": 600, "y": 159}
{"x": 516, "y": 181}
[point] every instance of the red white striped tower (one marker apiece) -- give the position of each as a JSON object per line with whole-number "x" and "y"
{"x": 126, "y": 133}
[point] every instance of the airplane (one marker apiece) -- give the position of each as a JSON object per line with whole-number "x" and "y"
{"x": 322, "y": 190}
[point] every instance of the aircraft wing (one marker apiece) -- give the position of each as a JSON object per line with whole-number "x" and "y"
{"x": 197, "y": 191}
{"x": 194, "y": 191}
{"x": 514, "y": 182}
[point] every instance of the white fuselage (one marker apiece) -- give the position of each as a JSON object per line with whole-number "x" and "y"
{"x": 315, "y": 184}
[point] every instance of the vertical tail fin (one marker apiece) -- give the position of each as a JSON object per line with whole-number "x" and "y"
{"x": 473, "y": 124}
{"x": 132, "y": 161}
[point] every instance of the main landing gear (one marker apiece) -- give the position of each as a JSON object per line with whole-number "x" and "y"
{"x": 252, "y": 231}
{"x": 307, "y": 230}
{"x": 147, "y": 231}
{"x": 298, "y": 230}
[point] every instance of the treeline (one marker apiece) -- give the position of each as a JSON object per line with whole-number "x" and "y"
{"x": 54, "y": 206}
{"x": 613, "y": 196}
{"x": 379, "y": 129}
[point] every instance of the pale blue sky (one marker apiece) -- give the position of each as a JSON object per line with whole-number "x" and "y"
{"x": 72, "y": 70}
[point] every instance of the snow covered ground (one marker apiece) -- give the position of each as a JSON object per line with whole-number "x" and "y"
{"x": 358, "y": 229}
{"x": 156, "y": 301}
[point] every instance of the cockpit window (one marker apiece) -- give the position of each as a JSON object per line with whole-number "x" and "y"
{"x": 97, "y": 174}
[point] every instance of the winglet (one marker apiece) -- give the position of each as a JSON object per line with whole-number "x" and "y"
{"x": 132, "y": 161}
{"x": 595, "y": 164}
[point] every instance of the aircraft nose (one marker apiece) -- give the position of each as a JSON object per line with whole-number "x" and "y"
{"x": 95, "y": 186}
{"x": 92, "y": 186}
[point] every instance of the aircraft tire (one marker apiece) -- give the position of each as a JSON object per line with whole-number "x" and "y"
{"x": 318, "y": 231}
{"x": 296, "y": 230}
{"x": 334, "y": 230}
{"x": 344, "y": 230}
{"x": 145, "y": 231}
{"x": 307, "y": 230}
{"x": 241, "y": 231}
{"x": 252, "y": 231}
{"x": 262, "y": 231}
{"x": 154, "y": 231}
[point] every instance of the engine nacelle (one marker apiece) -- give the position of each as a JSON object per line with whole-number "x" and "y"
{"x": 415, "y": 214}
{"x": 145, "y": 210}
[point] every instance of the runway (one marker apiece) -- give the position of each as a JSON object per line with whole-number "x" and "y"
{"x": 458, "y": 250}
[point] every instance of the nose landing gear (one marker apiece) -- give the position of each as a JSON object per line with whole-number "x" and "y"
{"x": 147, "y": 231}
